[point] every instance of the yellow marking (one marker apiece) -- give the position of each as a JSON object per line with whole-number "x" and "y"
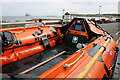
{"x": 88, "y": 67}
{"x": 118, "y": 41}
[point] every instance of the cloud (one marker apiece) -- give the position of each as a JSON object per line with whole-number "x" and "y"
{"x": 60, "y": 0}
{"x": 55, "y": 8}
{"x": 32, "y": 0}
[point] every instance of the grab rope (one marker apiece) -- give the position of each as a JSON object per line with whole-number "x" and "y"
{"x": 95, "y": 43}
{"x": 17, "y": 39}
{"x": 18, "y": 32}
{"x": 68, "y": 65}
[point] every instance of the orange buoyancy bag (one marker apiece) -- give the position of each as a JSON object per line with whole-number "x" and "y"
{"x": 18, "y": 45}
{"x": 29, "y": 36}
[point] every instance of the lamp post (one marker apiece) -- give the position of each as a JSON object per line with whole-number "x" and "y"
{"x": 99, "y": 11}
{"x": 63, "y": 14}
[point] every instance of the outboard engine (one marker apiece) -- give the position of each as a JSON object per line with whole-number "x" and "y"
{"x": 6, "y": 38}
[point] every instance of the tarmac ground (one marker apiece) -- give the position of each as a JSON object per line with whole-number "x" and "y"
{"x": 114, "y": 30}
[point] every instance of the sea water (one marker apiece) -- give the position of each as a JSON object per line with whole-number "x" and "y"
{"x": 23, "y": 18}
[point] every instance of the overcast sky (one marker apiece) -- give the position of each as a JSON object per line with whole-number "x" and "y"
{"x": 55, "y": 7}
{"x": 60, "y": 0}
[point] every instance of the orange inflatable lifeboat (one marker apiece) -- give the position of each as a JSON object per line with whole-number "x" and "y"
{"x": 80, "y": 49}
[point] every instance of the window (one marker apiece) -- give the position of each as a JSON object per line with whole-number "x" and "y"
{"x": 78, "y": 26}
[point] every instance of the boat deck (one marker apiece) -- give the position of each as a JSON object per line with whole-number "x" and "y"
{"x": 15, "y": 68}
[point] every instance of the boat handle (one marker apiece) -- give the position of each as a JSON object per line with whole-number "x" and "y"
{"x": 18, "y": 32}
{"x": 68, "y": 65}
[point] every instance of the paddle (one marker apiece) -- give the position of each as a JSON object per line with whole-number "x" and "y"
{"x": 28, "y": 70}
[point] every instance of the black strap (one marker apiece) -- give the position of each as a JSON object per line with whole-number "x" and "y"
{"x": 40, "y": 30}
{"x": 107, "y": 71}
{"x": 103, "y": 47}
{"x": 55, "y": 33}
{"x": 56, "y": 29}
{"x": 45, "y": 41}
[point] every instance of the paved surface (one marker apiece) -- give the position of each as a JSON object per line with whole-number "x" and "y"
{"x": 114, "y": 29}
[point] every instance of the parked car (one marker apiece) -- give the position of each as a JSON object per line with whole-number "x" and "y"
{"x": 117, "y": 20}
{"x": 108, "y": 21}
{"x": 103, "y": 20}
{"x": 93, "y": 19}
{"x": 114, "y": 19}
{"x": 99, "y": 21}
{"x": 96, "y": 20}
{"x": 111, "y": 20}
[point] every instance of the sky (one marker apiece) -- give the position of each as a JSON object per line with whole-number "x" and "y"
{"x": 55, "y": 7}
{"x": 60, "y": 0}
